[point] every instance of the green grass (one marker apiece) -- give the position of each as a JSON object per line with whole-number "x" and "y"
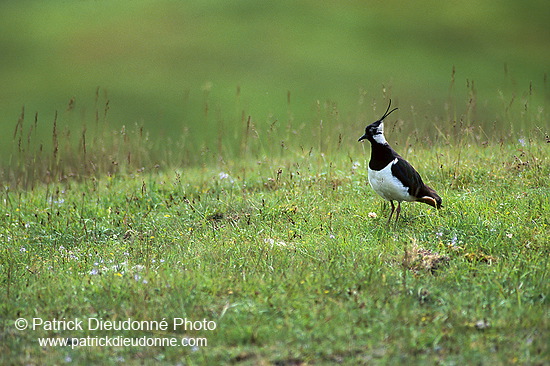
{"x": 160, "y": 62}
{"x": 283, "y": 254}
{"x": 215, "y": 174}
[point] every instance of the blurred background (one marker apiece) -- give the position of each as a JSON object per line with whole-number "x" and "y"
{"x": 200, "y": 68}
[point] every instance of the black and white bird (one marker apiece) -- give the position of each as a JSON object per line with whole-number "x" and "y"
{"x": 391, "y": 176}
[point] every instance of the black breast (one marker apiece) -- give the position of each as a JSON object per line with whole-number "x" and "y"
{"x": 381, "y": 156}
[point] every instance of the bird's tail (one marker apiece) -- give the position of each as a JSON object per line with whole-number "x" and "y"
{"x": 432, "y": 199}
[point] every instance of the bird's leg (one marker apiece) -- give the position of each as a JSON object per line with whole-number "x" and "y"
{"x": 398, "y": 211}
{"x": 391, "y": 212}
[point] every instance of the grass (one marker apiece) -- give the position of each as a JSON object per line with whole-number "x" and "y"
{"x": 161, "y": 61}
{"x": 288, "y": 254}
{"x": 193, "y": 184}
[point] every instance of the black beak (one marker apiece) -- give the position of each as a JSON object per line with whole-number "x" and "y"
{"x": 362, "y": 138}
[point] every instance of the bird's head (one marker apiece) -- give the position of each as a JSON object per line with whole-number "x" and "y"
{"x": 375, "y": 131}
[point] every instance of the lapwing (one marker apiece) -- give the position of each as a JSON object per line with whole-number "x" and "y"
{"x": 391, "y": 176}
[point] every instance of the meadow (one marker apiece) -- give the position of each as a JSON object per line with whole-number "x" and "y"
{"x": 285, "y": 248}
{"x": 158, "y": 172}
{"x": 160, "y": 63}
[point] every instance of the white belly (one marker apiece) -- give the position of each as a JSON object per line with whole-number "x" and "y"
{"x": 387, "y": 186}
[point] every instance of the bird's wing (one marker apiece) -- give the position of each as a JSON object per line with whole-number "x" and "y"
{"x": 405, "y": 172}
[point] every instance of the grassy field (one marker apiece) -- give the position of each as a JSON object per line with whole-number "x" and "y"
{"x": 161, "y": 63}
{"x": 197, "y": 161}
{"x": 284, "y": 248}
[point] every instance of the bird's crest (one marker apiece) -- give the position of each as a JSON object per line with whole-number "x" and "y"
{"x": 375, "y": 131}
{"x": 387, "y": 113}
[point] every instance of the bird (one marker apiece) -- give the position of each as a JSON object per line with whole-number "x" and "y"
{"x": 391, "y": 176}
